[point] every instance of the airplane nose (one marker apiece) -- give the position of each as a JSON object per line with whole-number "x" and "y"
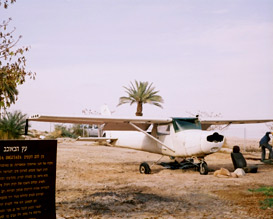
{"x": 215, "y": 137}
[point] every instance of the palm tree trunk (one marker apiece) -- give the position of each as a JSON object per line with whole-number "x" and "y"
{"x": 139, "y": 109}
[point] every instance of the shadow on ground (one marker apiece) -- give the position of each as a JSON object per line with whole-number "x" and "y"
{"x": 133, "y": 202}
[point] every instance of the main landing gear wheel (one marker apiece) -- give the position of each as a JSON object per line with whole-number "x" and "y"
{"x": 144, "y": 168}
{"x": 203, "y": 168}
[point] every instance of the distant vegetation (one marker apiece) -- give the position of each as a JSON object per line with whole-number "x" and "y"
{"x": 206, "y": 115}
{"x": 62, "y": 131}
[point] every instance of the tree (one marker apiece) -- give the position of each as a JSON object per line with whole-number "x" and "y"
{"x": 12, "y": 125}
{"x": 141, "y": 93}
{"x": 12, "y": 63}
{"x": 5, "y": 3}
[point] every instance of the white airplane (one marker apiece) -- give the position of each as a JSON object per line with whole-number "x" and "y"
{"x": 174, "y": 137}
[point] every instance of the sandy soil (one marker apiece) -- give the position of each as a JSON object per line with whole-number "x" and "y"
{"x": 104, "y": 182}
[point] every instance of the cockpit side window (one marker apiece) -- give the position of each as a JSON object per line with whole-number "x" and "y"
{"x": 163, "y": 129}
{"x": 181, "y": 124}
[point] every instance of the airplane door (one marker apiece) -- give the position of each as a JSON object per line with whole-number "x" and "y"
{"x": 163, "y": 134}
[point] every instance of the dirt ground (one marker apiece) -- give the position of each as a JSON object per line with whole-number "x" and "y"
{"x": 104, "y": 182}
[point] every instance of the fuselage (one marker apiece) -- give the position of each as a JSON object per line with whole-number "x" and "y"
{"x": 184, "y": 138}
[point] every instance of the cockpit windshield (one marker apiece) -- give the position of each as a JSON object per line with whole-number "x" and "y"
{"x": 181, "y": 124}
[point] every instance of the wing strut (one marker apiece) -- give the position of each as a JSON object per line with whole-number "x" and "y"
{"x": 152, "y": 137}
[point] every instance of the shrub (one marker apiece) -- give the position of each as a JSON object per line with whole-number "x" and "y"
{"x": 61, "y": 131}
{"x": 12, "y": 125}
{"x": 268, "y": 192}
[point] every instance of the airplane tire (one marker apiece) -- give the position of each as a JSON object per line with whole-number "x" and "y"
{"x": 203, "y": 169}
{"x": 144, "y": 168}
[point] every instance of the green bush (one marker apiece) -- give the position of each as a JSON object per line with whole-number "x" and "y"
{"x": 62, "y": 131}
{"x": 12, "y": 125}
{"x": 77, "y": 130}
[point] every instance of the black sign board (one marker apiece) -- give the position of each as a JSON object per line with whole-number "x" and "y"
{"x": 27, "y": 179}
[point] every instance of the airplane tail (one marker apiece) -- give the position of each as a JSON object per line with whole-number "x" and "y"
{"x": 105, "y": 111}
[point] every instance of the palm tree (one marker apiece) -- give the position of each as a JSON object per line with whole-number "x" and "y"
{"x": 141, "y": 93}
{"x": 12, "y": 125}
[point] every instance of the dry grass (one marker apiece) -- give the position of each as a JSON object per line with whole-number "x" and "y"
{"x": 103, "y": 182}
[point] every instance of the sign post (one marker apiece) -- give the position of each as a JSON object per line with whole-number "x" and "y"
{"x": 27, "y": 179}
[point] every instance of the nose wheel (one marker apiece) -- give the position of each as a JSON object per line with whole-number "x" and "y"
{"x": 203, "y": 168}
{"x": 144, "y": 168}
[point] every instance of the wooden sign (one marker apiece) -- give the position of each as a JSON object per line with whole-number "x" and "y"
{"x": 27, "y": 179}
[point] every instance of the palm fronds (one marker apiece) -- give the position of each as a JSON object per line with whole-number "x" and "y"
{"x": 141, "y": 93}
{"x": 12, "y": 125}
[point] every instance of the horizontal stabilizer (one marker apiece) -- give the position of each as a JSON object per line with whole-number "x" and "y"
{"x": 97, "y": 139}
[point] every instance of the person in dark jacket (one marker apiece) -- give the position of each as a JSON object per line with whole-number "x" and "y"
{"x": 264, "y": 143}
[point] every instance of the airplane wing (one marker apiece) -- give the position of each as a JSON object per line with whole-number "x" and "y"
{"x": 207, "y": 123}
{"x": 110, "y": 123}
{"x": 100, "y": 140}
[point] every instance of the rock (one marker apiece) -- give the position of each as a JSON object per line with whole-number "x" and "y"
{"x": 239, "y": 172}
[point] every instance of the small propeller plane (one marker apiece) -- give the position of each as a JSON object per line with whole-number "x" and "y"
{"x": 185, "y": 138}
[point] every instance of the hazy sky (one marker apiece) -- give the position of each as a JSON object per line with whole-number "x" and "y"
{"x": 208, "y": 55}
